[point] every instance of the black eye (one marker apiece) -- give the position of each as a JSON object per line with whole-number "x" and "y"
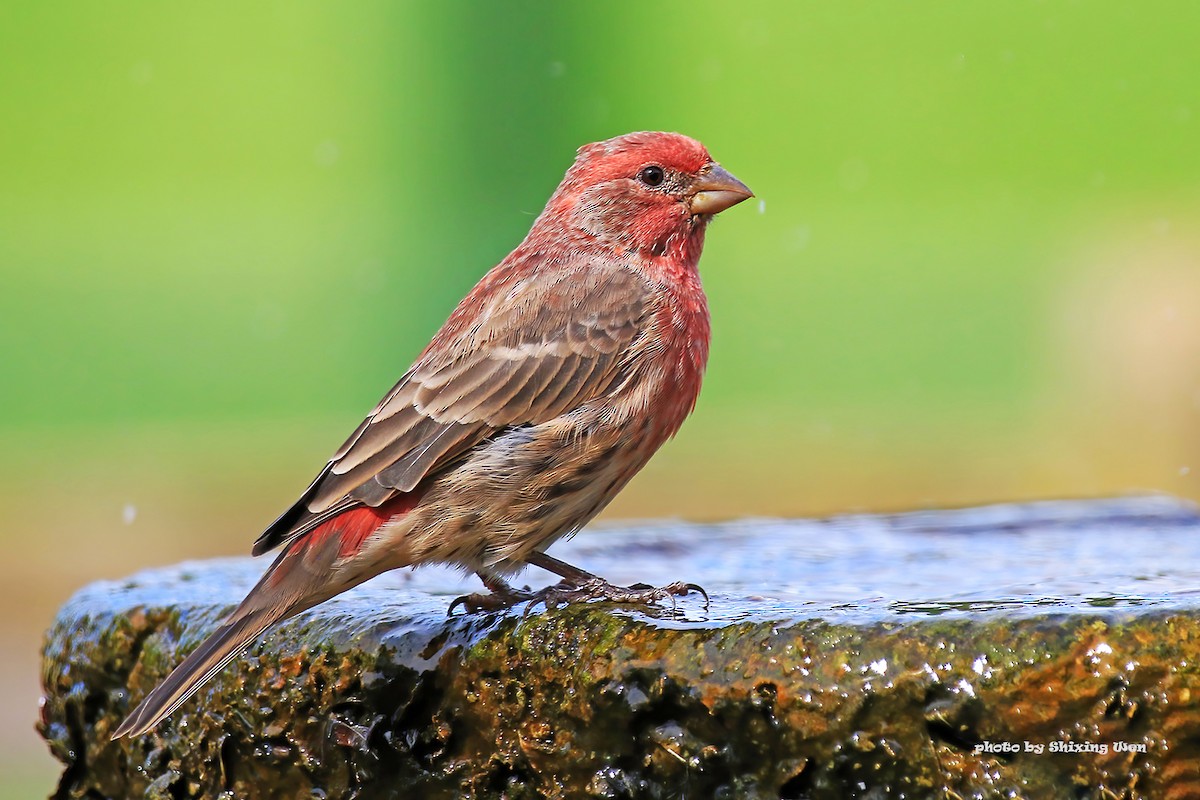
{"x": 652, "y": 175}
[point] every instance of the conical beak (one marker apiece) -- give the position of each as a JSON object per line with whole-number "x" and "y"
{"x": 716, "y": 190}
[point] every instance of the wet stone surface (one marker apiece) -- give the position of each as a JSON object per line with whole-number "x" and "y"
{"x": 916, "y": 655}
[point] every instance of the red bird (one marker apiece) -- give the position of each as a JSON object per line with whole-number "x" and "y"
{"x": 553, "y": 382}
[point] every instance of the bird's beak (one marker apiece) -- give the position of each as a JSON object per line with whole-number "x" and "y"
{"x": 716, "y": 190}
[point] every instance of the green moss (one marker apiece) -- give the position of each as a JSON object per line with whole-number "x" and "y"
{"x": 383, "y": 696}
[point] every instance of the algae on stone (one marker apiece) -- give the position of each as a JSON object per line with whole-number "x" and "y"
{"x": 378, "y": 695}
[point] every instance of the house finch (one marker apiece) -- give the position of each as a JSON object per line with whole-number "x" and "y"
{"x": 551, "y": 384}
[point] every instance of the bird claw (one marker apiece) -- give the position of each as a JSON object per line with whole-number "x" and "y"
{"x": 489, "y": 601}
{"x": 566, "y": 593}
{"x": 471, "y": 604}
{"x": 598, "y": 589}
{"x": 698, "y": 589}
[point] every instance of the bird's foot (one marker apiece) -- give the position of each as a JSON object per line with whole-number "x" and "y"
{"x": 503, "y": 597}
{"x": 582, "y": 587}
{"x": 600, "y": 589}
{"x": 500, "y": 597}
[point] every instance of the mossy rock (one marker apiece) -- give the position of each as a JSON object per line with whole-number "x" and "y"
{"x": 784, "y": 688}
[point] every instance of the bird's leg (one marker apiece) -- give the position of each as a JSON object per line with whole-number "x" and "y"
{"x": 580, "y": 586}
{"x": 500, "y": 595}
{"x": 572, "y": 575}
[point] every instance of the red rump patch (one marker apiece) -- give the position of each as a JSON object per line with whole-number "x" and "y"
{"x": 354, "y": 526}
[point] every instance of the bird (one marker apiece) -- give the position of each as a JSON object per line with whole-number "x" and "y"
{"x": 547, "y": 389}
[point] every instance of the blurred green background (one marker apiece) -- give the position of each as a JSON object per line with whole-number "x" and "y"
{"x": 225, "y": 229}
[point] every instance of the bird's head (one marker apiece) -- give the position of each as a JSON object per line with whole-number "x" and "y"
{"x": 650, "y": 192}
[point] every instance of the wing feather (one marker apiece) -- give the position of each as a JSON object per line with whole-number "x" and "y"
{"x": 407, "y": 472}
{"x": 532, "y": 351}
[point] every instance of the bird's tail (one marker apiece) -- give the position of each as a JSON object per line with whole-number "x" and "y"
{"x": 300, "y": 578}
{"x": 310, "y": 570}
{"x": 207, "y": 660}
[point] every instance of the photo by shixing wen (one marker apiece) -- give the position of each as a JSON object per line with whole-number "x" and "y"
{"x": 1064, "y": 746}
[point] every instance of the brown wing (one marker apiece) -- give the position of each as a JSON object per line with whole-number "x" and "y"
{"x": 537, "y": 348}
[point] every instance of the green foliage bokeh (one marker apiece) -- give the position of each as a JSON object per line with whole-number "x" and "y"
{"x": 265, "y": 210}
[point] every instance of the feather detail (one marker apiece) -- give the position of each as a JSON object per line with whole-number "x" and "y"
{"x": 351, "y": 528}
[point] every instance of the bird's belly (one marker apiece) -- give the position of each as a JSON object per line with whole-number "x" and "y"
{"x": 521, "y": 491}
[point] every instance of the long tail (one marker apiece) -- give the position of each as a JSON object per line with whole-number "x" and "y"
{"x": 205, "y": 661}
{"x": 302, "y": 576}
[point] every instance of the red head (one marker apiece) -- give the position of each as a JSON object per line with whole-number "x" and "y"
{"x": 650, "y": 192}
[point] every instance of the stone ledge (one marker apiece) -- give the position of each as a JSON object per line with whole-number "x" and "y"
{"x": 1063, "y": 624}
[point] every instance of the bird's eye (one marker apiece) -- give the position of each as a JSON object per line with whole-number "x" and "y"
{"x": 652, "y": 175}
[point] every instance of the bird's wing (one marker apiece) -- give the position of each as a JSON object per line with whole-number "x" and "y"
{"x": 515, "y": 352}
